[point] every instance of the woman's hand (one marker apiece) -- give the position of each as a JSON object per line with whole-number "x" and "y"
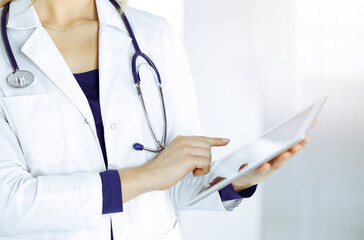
{"x": 182, "y": 156}
{"x": 266, "y": 169}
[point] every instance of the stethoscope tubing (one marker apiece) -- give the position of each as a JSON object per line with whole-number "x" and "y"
{"x": 4, "y": 34}
{"x": 140, "y": 54}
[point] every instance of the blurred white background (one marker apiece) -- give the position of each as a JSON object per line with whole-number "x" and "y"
{"x": 257, "y": 62}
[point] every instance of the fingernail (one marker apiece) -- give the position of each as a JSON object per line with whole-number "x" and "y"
{"x": 225, "y": 140}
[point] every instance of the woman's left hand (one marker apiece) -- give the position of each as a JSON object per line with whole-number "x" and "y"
{"x": 266, "y": 169}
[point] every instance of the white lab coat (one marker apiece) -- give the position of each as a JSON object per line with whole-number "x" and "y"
{"x": 50, "y": 156}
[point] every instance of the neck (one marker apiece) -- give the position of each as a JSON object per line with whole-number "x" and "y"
{"x": 65, "y": 13}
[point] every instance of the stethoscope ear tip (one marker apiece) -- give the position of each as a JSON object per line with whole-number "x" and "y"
{"x": 138, "y": 146}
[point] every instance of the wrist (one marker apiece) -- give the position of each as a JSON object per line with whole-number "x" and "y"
{"x": 149, "y": 173}
{"x": 239, "y": 188}
{"x": 148, "y": 178}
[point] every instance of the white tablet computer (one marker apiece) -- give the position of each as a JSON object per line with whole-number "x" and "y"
{"x": 269, "y": 145}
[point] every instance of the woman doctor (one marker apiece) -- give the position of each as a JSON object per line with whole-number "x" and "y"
{"x": 68, "y": 168}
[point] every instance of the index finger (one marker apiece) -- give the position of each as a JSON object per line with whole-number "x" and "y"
{"x": 216, "y": 142}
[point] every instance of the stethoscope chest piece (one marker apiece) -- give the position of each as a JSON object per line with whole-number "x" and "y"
{"x": 20, "y": 79}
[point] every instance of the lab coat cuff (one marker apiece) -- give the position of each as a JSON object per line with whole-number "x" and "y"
{"x": 228, "y": 193}
{"x": 111, "y": 192}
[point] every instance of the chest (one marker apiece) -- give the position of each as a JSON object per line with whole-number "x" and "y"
{"x": 78, "y": 46}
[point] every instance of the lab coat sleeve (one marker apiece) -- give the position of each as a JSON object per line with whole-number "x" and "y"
{"x": 40, "y": 203}
{"x": 185, "y": 121}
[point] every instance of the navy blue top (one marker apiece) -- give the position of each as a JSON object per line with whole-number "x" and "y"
{"x": 111, "y": 186}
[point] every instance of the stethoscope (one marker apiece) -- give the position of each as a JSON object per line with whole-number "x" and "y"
{"x": 21, "y": 78}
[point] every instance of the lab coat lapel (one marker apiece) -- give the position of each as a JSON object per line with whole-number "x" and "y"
{"x": 43, "y": 52}
{"x": 113, "y": 48}
{"x": 114, "y": 43}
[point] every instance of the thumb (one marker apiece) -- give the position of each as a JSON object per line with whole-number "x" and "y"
{"x": 198, "y": 172}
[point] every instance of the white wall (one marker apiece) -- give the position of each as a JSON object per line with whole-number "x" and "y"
{"x": 311, "y": 48}
{"x": 172, "y": 10}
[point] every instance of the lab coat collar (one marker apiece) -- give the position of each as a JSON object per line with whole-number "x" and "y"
{"x": 108, "y": 15}
{"x": 23, "y": 16}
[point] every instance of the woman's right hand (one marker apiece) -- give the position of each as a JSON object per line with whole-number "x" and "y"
{"x": 182, "y": 156}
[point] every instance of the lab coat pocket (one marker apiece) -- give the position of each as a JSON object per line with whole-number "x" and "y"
{"x": 37, "y": 122}
{"x": 173, "y": 234}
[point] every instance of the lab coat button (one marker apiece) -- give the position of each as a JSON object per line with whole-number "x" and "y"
{"x": 113, "y": 126}
{"x": 86, "y": 121}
